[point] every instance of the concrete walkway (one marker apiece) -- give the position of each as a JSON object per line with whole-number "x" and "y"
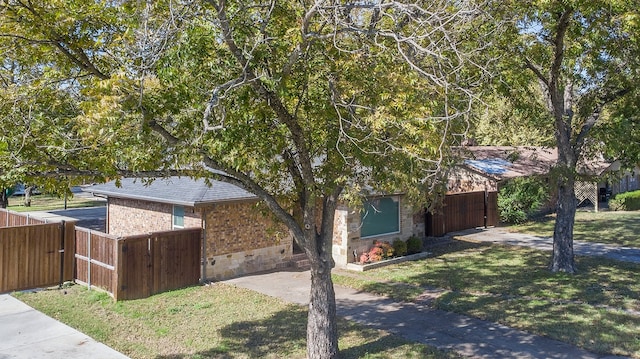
{"x": 418, "y": 322}
{"x": 501, "y": 235}
{"x": 26, "y": 333}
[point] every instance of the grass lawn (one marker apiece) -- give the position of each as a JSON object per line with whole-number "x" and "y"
{"x": 597, "y": 309}
{"x": 621, "y": 228}
{"x": 216, "y": 321}
{"x": 45, "y": 202}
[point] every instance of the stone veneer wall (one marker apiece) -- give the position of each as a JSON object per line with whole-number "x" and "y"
{"x": 128, "y": 217}
{"x": 346, "y": 233}
{"x": 241, "y": 240}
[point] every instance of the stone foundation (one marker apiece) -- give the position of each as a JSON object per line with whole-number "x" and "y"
{"x": 236, "y": 264}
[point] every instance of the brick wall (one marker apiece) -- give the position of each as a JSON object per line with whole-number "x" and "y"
{"x": 238, "y": 226}
{"x": 241, "y": 239}
{"x": 128, "y": 217}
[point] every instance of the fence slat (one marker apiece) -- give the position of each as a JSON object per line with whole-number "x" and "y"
{"x": 463, "y": 211}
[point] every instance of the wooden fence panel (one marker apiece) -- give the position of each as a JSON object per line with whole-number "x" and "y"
{"x": 134, "y": 268}
{"x": 95, "y": 255}
{"x": 38, "y": 255}
{"x": 154, "y": 263}
{"x": 176, "y": 259}
{"x": 492, "y": 209}
{"x": 34, "y": 256}
{"x": 463, "y": 211}
{"x": 12, "y": 219}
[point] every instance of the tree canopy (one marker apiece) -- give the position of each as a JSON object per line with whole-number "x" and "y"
{"x": 302, "y": 103}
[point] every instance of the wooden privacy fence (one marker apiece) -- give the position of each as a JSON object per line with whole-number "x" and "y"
{"x": 11, "y": 218}
{"x": 33, "y": 253}
{"x": 138, "y": 266}
{"x": 463, "y": 211}
{"x": 95, "y": 259}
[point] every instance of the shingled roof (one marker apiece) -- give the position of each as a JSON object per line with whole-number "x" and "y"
{"x": 504, "y": 162}
{"x": 181, "y": 191}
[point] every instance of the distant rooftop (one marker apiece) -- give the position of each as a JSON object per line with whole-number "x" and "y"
{"x": 503, "y": 162}
{"x": 182, "y": 191}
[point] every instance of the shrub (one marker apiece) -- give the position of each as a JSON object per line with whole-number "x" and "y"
{"x": 387, "y": 249}
{"x": 520, "y": 198}
{"x": 399, "y": 247}
{"x": 414, "y": 245}
{"x": 628, "y": 201}
{"x": 375, "y": 254}
{"x": 379, "y": 251}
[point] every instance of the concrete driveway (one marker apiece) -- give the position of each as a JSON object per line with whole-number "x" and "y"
{"x": 26, "y": 333}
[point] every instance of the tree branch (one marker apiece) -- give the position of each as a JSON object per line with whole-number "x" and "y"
{"x": 272, "y": 100}
{"x": 78, "y": 57}
{"x": 595, "y": 115}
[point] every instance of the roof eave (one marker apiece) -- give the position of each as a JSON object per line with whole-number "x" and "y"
{"x": 195, "y": 204}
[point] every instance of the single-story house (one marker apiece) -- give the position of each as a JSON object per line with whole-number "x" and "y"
{"x": 485, "y": 168}
{"x": 240, "y": 236}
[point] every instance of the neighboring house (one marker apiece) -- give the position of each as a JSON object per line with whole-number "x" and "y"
{"x": 485, "y": 168}
{"x": 613, "y": 180}
{"x": 240, "y": 236}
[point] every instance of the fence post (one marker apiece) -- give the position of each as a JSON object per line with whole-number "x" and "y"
{"x": 486, "y": 206}
{"x": 61, "y": 251}
{"x": 117, "y": 273}
{"x": 89, "y": 260}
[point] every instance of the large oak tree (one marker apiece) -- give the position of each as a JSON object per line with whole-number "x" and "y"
{"x": 584, "y": 57}
{"x": 304, "y": 103}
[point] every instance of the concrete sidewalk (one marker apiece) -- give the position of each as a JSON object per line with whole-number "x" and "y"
{"x": 25, "y": 333}
{"x": 501, "y": 235}
{"x": 418, "y": 322}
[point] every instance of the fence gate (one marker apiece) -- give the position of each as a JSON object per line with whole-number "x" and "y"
{"x": 36, "y": 255}
{"x": 155, "y": 263}
{"x": 463, "y": 211}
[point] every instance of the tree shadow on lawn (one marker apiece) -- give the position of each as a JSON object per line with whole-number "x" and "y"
{"x": 620, "y": 230}
{"x": 283, "y": 335}
{"x": 505, "y": 271}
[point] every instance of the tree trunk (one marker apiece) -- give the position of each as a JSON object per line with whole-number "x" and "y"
{"x": 562, "y": 259}
{"x": 4, "y": 198}
{"x": 322, "y": 329}
{"x": 27, "y": 195}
